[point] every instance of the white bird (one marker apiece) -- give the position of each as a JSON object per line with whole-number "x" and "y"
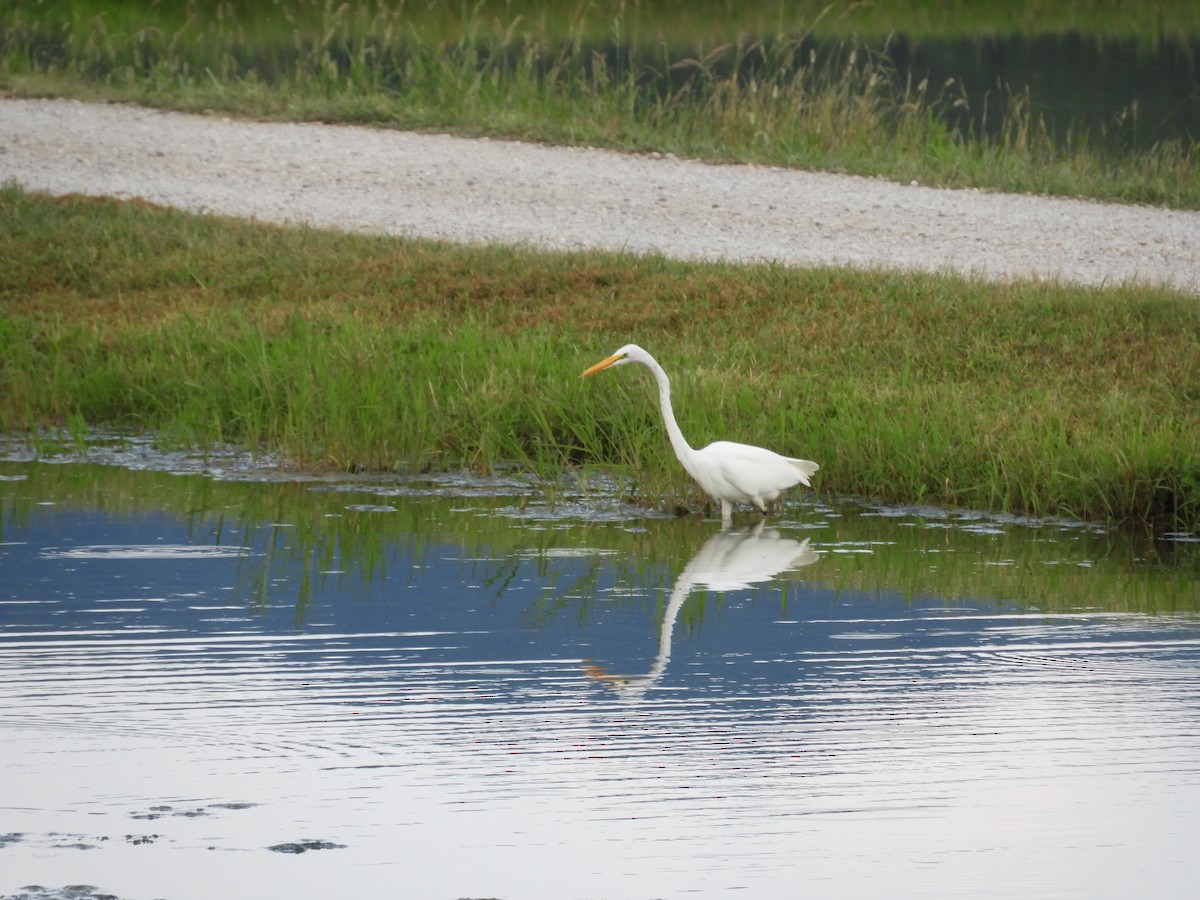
{"x": 729, "y": 472}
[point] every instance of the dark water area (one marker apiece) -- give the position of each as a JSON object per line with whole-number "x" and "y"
{"x": 217, "y": 678}
{"x": 1124, "y": 94}
{"x": 1121, "y": 95}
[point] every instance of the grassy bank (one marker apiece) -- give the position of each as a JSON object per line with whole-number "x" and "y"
{"x": 359, "y": 352}
{"x": 763, "y": 83}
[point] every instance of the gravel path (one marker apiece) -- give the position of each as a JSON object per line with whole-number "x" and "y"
{"x": 437, "y": 186}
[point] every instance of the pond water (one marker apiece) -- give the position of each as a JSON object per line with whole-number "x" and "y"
{"x": 217, "y": 679}
{"x": 1120, "y": 94}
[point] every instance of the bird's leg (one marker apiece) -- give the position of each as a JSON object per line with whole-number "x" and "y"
{"x": 726, "y": 512}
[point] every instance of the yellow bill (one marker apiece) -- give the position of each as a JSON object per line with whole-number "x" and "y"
{"x": 603, "y": 364}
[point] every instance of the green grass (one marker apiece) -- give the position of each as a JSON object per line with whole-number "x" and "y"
{"x": 695, "y": 21}
{"x": 792, "y": 84}
{"x": 379, "y": 353}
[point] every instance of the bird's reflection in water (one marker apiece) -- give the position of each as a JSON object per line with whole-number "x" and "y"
{"x": 732, "y": 559}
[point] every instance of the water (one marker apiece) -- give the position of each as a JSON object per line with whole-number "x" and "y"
{"x": 1117, "y": 94}
{"x": 216, "y": 680}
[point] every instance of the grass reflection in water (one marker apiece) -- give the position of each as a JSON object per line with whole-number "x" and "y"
{"x": 298, "y": 533}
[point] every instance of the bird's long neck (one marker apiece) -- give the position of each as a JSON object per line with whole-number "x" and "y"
{"x": 682, "y": 448}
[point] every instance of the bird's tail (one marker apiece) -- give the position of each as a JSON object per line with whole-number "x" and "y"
{"x": 807, "y": 468}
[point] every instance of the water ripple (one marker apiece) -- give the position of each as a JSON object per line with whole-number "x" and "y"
{"x": 147, "y": 551}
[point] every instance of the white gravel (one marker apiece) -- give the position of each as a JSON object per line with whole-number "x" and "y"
{"x": 437, "y": 186}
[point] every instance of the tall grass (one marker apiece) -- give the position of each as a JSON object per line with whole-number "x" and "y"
{"x": 379, "y": 353}
{"x": 629, "y": 76}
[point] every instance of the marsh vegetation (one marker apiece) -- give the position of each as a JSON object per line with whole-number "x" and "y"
{"x": 356, "y": 352}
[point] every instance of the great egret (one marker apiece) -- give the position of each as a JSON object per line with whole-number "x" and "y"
{"x": 729, "y": 472}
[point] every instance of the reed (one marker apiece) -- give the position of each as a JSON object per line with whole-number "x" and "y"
{"x": 642, "y": 76}
{"x": 353, "y": 352}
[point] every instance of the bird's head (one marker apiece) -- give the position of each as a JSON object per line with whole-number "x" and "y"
{"x": 630, "y": 353}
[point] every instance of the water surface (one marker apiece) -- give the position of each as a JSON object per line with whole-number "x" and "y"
{"x": 213, "y": 682}
{"x": 1119, "y": 94}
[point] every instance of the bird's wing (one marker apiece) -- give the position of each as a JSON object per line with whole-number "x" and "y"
{"x": 752, "y": 471}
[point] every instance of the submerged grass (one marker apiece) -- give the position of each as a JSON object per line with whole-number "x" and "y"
{"x": 1050, "y": 568}
{"x": 380, "y": 353}
{"x": 721, "y": 81}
